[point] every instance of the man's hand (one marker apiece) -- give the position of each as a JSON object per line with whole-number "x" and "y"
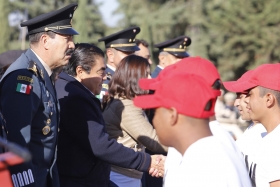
{"x": 157, "y": 166}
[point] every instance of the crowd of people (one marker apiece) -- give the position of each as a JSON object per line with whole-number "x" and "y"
{"x": 118, "y": 124}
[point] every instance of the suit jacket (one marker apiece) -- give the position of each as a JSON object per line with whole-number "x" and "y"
{"x": 84, "y": 148}
{"x": 29, "y": 105}
{"x": 156, "y": 72}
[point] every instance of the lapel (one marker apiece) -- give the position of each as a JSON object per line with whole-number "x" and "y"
{"x": 41, "y": 72}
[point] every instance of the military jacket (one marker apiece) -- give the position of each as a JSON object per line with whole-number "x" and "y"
{"x": 156, "y": 72}
{"x": 105, "y": 85}
{"x": 29, "y": 103}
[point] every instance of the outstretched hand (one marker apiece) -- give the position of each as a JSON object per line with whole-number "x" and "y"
{"x": 157, "y": 165}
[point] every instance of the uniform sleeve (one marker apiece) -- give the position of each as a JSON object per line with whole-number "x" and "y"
{"x": 82, "y": 117}
{"x": 139, "y": 128}
{"x": 20, "y": 98}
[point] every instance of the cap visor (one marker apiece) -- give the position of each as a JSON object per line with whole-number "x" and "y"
{"x": 69, "y": 31}
{"x": 128, "y": 49}
{"x": 242, "y": 86}
{"x": 145, "y": 84}
{"x": 146, "y": 101}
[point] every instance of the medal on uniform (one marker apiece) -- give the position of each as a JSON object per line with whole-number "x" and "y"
{"x": 47, "y": 128}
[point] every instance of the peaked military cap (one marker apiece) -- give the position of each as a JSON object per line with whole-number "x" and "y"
{"x": 123, "y": 40}
{"x": 58, "y": 21}
{"x": 176, "y": 47}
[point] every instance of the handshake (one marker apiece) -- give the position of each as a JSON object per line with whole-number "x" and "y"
{"x": 157, "y": 165}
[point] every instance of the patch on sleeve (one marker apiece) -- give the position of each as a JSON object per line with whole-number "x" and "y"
{"x": 105, "y": 86}
{"x": 25, "y": 78}
{"x": 23, "y": 88}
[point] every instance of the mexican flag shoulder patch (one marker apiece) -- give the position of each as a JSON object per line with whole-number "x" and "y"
{"x": 23, "y": 88}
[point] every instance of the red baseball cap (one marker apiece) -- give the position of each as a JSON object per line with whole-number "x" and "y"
{"x": 266, "y": 75}
{"x": 190, "y": 95}
{"x": 230, "y": 85}
{"x": 192, "y": 65}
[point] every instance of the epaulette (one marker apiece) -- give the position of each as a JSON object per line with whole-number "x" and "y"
{"x": 109, "y": 76}
{"x": 32, "y": 67}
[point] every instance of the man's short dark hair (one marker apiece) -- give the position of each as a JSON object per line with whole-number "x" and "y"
{"x": 264, "y": 91}
{"x": 143, "y": 42}
{"x": 34, "y": 38}
{"x": 85, "y": 55}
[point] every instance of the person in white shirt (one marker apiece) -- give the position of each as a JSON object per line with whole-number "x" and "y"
{"x": 263, "y": 104}
{"x": 222, "y": 139}
{"x": 248, "y": 143}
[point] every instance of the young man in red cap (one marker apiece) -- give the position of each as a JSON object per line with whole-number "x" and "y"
{"x": 204, "y": 68}
{"x": 263, "y": 104}
{"x": 248, "y": 143}
{"x": 205, "y": 161}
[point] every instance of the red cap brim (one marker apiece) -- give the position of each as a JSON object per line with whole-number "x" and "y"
{"x": 145, "y": 83}
{"x": 241, "y": 87}
{"x": 228, "y": 85}
{"x": 146, "y": 101}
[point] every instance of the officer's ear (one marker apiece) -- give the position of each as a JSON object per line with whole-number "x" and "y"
{"x": 46, "y": 41}
{"x": 162, "y": 59}
{"x": 110, "y": 54}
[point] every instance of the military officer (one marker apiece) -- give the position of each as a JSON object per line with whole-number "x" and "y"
{"x": 118, "y": 46}
{"x": 28, "y": 99}
{"x": 170, "y": 52}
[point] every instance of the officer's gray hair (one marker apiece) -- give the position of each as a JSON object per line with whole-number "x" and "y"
{"x": 34, "y": 38}
{"x": 276, "y": 93}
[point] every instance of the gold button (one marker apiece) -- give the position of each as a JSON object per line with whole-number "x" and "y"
{"x": 48, "y": 121}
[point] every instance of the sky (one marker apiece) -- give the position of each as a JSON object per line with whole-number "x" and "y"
{"x": 107, "y": 8}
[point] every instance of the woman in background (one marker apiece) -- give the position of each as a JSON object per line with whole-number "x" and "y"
{"x": 127, "y": 123}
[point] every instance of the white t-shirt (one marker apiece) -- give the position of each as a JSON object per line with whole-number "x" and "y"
{"x": 226, "y": 150}
{"x": 249, "y": 142}
{"x": 266, "y": 163}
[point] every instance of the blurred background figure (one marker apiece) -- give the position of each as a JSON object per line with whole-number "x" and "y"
{"x": 228, "y": 116}
{"x": 144, "y": 50}
{"x": 7, "y": 58}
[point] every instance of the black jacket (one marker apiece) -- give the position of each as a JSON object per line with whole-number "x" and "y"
{"x": 85, "y": 151}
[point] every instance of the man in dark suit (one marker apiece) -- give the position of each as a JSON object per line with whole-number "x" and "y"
{"x": 118, "y": 46}
{"x": 170, "y": 52}
{"x": 28, "y": 98}
{"x": 85, "y": 150}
